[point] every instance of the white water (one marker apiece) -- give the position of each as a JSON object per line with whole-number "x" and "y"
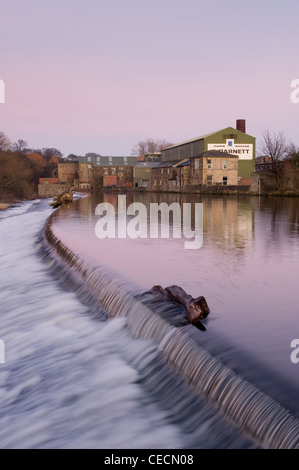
{"x": 70, "y": 381}
{"x": 66, "y": 381}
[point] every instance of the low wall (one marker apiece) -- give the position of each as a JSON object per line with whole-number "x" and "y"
{"x": 52, "y": 190}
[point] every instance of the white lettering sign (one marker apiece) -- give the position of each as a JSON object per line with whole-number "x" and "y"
{"x": 243, "y": 151}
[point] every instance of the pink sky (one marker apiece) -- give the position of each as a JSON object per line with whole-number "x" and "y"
{"x": 98, "y": 76}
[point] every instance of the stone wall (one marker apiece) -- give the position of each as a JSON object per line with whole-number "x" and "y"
{"x": 52, "y": 190}
{"x": 67, "y": 172}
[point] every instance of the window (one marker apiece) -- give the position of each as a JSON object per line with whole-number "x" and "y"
{"x": 224, "y": 180}
{"x": 89, "y": 159}
{"x": 210, "y": 180}
{"x": 197, "y": 164}
{"x": 225, "y": 166}
{"x": 162, "y": 171}
{"x": 209, "y": 164}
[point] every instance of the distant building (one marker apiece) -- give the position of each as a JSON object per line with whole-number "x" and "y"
{"x": 228, "y": 140}
{"x": 97, "y": 172}
{"x": 212, "y": 168}
{"x": 142, "y": 173}
{"x": 170, "y": 176}
{"x": 68, "y": 172}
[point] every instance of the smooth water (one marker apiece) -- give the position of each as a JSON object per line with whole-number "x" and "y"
{"x": 247, "y": 269}
{"x": 72, "y": 381}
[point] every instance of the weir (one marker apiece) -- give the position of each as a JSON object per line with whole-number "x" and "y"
{"x": 258, "y": 416}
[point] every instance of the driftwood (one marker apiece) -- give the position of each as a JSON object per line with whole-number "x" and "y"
{"x": 197, "y": 309}
{"x": 62, "y": 198}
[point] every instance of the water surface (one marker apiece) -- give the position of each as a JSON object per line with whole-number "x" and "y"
{"x": 247, "y": 269}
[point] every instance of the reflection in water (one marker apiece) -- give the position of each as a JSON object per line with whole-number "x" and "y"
{"x": 71, "y": 381}
{"x": 247, "y": 270}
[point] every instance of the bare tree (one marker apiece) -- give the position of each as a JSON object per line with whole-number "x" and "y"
{"x": 19, "y": 146}
{"x": 293, "y": 159}
{"x": 146, "y": 146}
{"x": 5, "y": 143}
{"x": 275, "y": 146}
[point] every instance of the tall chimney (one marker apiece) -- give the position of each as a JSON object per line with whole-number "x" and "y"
{"x": 241, "y": 125}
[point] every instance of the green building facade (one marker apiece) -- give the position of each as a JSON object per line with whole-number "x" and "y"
{"x": 229, "y": 140}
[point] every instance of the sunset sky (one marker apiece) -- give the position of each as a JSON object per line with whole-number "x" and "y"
{"x": 97, "y": 76}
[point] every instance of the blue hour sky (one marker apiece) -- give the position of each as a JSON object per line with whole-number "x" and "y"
{"x": 93, "y": 75}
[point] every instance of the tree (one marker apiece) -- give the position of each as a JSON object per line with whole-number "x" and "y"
{"x": 149, "y": 146}
{"x": 275, "y": 146}
{"x": 16, "y": 177}
{"x": 293, "y": 160}
{"x": 92, "y": 154}
{"x": 49, "y": 152}
{"x": 19, "y": 146}
{"x": 5, "y": 143}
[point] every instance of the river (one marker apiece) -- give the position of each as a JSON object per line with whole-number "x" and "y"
{"x": 73, "y": 380}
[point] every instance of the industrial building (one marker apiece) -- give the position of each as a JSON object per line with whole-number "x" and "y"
{"x": 96, "y": 172}
{"x": 228, "y": 140}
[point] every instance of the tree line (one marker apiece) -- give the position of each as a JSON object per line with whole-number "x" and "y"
{"x": 21, "y": 167}
{"x": 279, "y": 149}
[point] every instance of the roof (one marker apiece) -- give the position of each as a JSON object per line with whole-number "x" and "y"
{"x": 109, "y": 161}
{"x": 185, "y": 162}
{"x": 146, "y": 164}
{"x": 173, "y": 164}
{"x": 217, "y": 153}
{"x": 204, "y": 136}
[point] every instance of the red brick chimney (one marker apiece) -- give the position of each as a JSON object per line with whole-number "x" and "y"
{"x": 241, "y": 125}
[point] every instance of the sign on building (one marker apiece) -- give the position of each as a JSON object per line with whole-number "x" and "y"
{"x": 244, "y": 151}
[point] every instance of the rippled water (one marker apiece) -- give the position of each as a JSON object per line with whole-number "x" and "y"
{"x": 247, "y": 269}
{"x": 70, "y": 380}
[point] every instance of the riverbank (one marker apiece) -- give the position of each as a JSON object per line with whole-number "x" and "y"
{"x": 4, "y": 206}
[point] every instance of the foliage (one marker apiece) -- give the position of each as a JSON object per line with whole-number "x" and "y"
{"x": 16, "y": 177}
{"x": 5, "y": 143}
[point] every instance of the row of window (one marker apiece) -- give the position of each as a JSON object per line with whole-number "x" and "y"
{"x": 209, "y": 164}
{"x": 210, "y": 180}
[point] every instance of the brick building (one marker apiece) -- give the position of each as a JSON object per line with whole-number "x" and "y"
{"x": 214, "y": 168}
{"x": 97, "y": 172}
{"x": 68, "y": 172}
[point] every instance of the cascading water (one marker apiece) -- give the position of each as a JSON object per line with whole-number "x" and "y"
{"x": 257, "y": 415}
{"x": 72, "y": 380}
{"x": 116, "y": 371}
